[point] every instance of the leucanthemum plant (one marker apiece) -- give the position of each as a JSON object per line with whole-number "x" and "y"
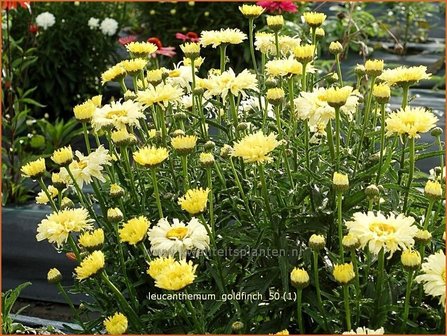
{"x": 275, "y": 199}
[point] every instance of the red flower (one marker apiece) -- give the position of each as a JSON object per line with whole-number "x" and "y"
{"x": 10, "y": 4}
{"x": 127, "y": 39}
{"x": 155, "y": 41}
{"x": 33, "y": 28}
{"x": 272, "y": 6}
{"x": 190, "y": 36}
{"x": 165, "y": 51}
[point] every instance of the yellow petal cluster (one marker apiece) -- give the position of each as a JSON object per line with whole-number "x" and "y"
{"x": 141, "y": 49}
{"x": 304, "y": 53}
{"x": 314, "y": 19}
{"x": 411, "y": 121}
{"x": 150, "y": 156}
{"x": 92, "y": 239}
{"x": 343, "y": 273}
{"x": 215, "y": 38}
{"x": 134, "y": 230}
{"x": 336, "y": 97}
{"x": 299, "y": 277}
{"x": 34, "y": 169}
{"x": 404, "y": 76}
{"x": 170, "y": 274}
{"x": 63, "y": 156}
{"x": 251, "y": 11}
{"x": 90, "y": 265}
{"x": 255, "y": 148}
{"x": 184, "y": 143}
{"x": 116, "y": 324}
{"x": 115, "y": 73}
{"x": 194, "y": 201}
{"x": 84, "y": 112}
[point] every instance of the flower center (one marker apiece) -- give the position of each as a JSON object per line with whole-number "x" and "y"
{"x": 382, "y": 229}
{"x": 177, "y": 233}
{"x": 116, "y": 113}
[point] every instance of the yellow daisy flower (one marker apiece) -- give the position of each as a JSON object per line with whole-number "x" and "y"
{"x": 90, "y": 265}
{"x": 116, "y": 324}
{"x": 150, "y": 156}
{"x": 194, "y": 201}
{"x": 134, "y": 230}
{"x": 34, "y": 169}
{"x": 411, "y": 121}
{"x": 256, "y": 147}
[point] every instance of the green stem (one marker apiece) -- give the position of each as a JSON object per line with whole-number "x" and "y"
{"x": 252, "y": 49}
{"x": 70, "y": 304}
{"x": 405, "y": 96}
{"x": 133, "y": 317}
{"x": 337, "y": 61}
{"x": 86, "y": 139}
{"x": 330, "y": 142}
{"x": 379, "y": 285}
{"x": 264, "y": 190}
{"x": 317, "y": 288}
{"x": 410, "y": 173}
{"x": 365, "y": 124}
{"x": 407, "y": 301}
{"x": 157, "y": 193}
{"x": 200, "y": 327}
{"x": 382, "y": 142}
{"x": 184, "y": 159}
{"x": 357, "y": 284}
{"x": 74, "y": 247}
{"x": 278, "y": 54}
{"x": 337, "y": 138}
{"x": 223, "y": 49}
{"x": 303, "y": 78}
{"x": 45, "y": 190}
{"x": 347, "y": 310}
{"x": 299, "y": 313}
{"x": 340, "y": 224}
{"x": 211, "y": 198}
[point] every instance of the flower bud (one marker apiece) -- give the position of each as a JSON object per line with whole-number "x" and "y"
{"x": 343, "y": 273}
{"x": 340, "y": 182}
{"x": 116, "y": 191}
{"x": 242, "y": 127}
{"x": 271, "y": 83}
{"x": 372, "y": 191}
{"x": 317, "y": 242}
{"x": 226, "y": 151}
{"x": 67, "y": 203}
{"x": 275, "y": 22}
{"x": 237, "y": 326}
{"x": 177, "y": 133}
{"x": 58, "y": 183}
{"x": 114, "y": 215}
{"x": 437, "y": 131}
{"x": 180, "y": 116}
{"x": 299, "y": 278}
{"x": 335, "y": 48}
{"x": 360, "y": 70}
{"x": 433, "y": 190}
{"x": 209, "y": 145}
{"x": 374, "y": 68}
{"x": 411, "y": 260}
{"x": 319, "y": 32}
{"x": 206, "y": 159}
{"x": 350, "y": 242}
{"x": 54, "y": 276}
{"x": 422, "y": 237}
{"x": 275, "y": 96}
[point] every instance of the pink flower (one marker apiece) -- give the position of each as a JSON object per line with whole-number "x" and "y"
{"x": 190, "y": 36}
{"x": 8, "y": 4}
{"x": 127, "y": 39}
{"x": 272, "y": 6}
{"x": 165, "y": 51}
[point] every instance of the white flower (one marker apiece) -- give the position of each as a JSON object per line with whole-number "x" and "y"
{"x": 86, "y": 167}
{"x": 228, "y": 82}
{"x": 365, "y": 331}
{"x": 45, "y": 20}
{"x": 177, "y": 238}
{"x": 118, "y": 115}
{"x": 434, "y": 276}
{"x": 251, "y": 104}
{"x": 109, "y": 26}
{"x": 378, "y": 231}
{"x": 93, "y": 23}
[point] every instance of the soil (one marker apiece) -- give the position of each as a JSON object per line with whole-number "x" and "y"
{"x": 45, "y": 310}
